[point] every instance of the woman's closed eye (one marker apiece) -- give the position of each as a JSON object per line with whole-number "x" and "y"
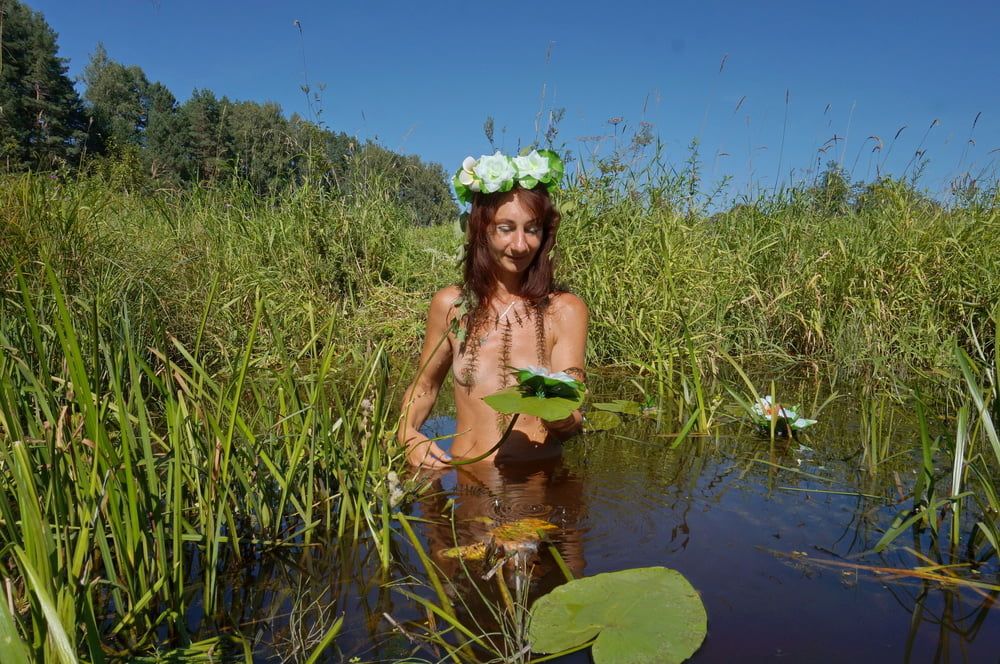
{"x": 530, "y": 230}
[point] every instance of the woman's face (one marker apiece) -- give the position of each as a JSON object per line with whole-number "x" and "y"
{"x": 515, "y": 236}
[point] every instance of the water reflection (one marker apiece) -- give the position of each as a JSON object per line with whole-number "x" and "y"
{"x": 468, "y": 504}
{"x": 777, "y": 537}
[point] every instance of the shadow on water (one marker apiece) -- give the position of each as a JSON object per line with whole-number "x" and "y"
{"x": 776, "y": 536}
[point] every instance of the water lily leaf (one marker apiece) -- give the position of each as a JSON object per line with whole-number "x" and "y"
{"x": 600, "y": 420}
{"x": 475, "y": 551}
{"x": 513, "y": 400}
{"x": 622, "y": 406}
{"x": 649, "y": 614}
{"x": 522, "y": 529}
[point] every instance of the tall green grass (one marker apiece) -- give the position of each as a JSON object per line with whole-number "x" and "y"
{"x": 877, "y": 292}
{"x": 190, "y": 380}
{"x": 133, "y": 476}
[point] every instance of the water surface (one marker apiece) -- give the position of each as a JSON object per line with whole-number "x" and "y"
{"x": 770, "y": 534}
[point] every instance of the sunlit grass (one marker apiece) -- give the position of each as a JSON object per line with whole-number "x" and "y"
{"x": 131, "y": 478}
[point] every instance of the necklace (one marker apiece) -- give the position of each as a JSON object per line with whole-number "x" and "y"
{"x": 501, "y": 317}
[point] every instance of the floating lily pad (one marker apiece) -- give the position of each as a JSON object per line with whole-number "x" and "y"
{"x": 649, "y": 614}
{"x": 481, "y": 519}
{"x": 514, "y": 400}
{"x": 623, "y": 406}
{"x": 522, "y": 529}
{"x": 475, "y": 551}
{"x": 600, "y": 420}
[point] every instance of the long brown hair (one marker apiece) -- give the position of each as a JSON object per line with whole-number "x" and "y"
{"x": 480, "y": 276}
{"x": 480, "y": 268}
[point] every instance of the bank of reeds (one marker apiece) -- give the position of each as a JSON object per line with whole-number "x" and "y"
{"x": 875, "y": 290}
{"x": 133, "y": 477}
{"x": 188, "y": 381}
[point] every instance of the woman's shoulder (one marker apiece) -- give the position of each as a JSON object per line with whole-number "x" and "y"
{"x": 566, "y": 303}
{"x": 447, "y": 297}
{"x": 446, "y": 300}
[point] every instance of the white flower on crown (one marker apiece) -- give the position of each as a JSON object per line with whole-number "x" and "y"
{"x": 467, "y": 175}
{"x": 532, "y": 165}
{"x": 495, "y": 171}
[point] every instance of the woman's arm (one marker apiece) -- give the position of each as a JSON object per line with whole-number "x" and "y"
{"x": 569, "y": 326}
{"x": 419, "y": 398}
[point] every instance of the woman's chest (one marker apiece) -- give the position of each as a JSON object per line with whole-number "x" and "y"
{"x": 485, "y": 358}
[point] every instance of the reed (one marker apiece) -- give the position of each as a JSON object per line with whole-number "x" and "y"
{"x": 132, "y": 477}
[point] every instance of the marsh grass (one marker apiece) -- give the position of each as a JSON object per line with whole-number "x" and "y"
{"x": 191, "y": 380}
{"x": 878, "y": 291}
{"x": 134, "y": 477}
{"x": 476, "y": 625}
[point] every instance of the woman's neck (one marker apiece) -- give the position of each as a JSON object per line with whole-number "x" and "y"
{"x": 508, "y": 289}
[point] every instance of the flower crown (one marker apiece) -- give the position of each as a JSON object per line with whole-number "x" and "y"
{"x": 498, "y": 172}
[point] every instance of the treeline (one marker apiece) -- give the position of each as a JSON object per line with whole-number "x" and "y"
{"x": 135, "y": 130}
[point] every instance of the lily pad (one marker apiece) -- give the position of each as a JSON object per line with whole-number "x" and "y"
{"x": 514, "y": 400}
{"x": 475, "y": 551}
{"x": 648, "y": 614}
{"x": 623, "y": 406}
{"x": 600, "y": 420}
{"x": 522, "y": 529}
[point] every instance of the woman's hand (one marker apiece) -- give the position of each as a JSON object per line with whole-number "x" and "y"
{"x": 565, "y": 427}
{"x": 426, "y": 454}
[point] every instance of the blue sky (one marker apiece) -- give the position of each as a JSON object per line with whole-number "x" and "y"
{"x": 422, "y": 77}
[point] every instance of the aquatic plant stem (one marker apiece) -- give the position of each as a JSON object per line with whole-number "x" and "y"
{"x": 510, "y": 428}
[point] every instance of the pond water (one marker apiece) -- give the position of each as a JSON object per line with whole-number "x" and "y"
{"x": 776, "y": 537}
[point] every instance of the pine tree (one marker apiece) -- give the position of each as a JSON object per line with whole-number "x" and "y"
{"x": 118, "y": 100}
{"x": 209, "y": 140}
{"x": 42, "y": 120}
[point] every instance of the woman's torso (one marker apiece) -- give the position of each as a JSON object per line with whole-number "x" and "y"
{"x": 516, "y": 336}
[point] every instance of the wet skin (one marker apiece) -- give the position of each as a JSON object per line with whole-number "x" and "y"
{"x": 515, "y": 237}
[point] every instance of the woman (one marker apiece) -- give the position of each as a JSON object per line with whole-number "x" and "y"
{"x": 508, "y": 313}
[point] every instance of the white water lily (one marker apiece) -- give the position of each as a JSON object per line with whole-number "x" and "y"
{"x": 496, "y": 172}
{"x": 532, "y": 165}
{"x": 764, "y": 409}
{"x": 545, "y": 373}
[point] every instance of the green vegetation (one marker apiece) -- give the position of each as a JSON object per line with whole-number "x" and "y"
{"x": 203, "y": 308}
{"x": 137, "y": 134}
{"x": 650, "y": 614}
{"x": 129, "y": 475}
{"x": 216, "y": 365}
